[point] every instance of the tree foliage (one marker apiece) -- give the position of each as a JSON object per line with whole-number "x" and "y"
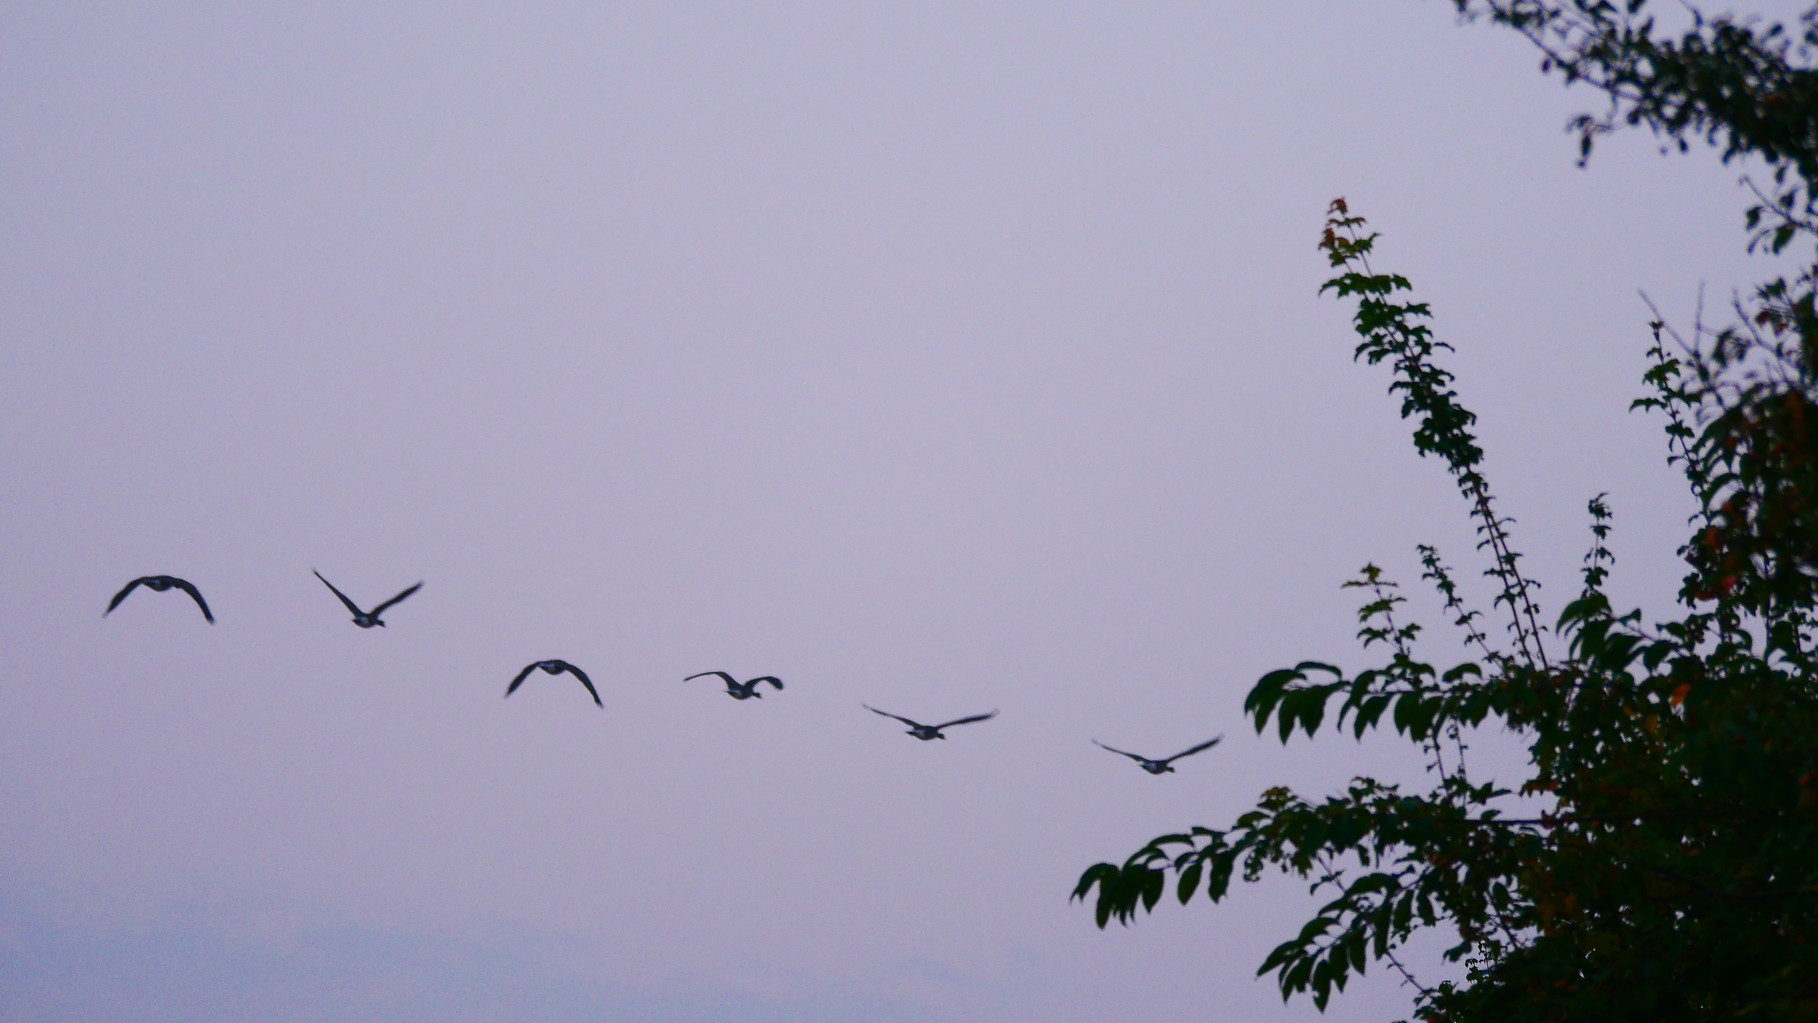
{"x": 1672, "y": 872}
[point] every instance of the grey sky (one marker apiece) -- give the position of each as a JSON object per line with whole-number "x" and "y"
{"x": 940, "y": 357}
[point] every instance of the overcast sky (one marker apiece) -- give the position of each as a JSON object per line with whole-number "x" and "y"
{"x": 941, "y": 357}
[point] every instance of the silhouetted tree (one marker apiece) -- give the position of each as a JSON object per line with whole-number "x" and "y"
{"x": 1673, "y": 872}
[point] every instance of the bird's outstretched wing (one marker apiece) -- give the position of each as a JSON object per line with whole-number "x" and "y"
{"x": 772, "y": 679}
{"x": 377, "y": 610}
{"x": 522, "y": 675}
{"x": 118, "y": 597}
{"x": 351, "y": 606}
{"x": 187, "y": 587}
{"x": 1132, "y": 756}
{"x": 899, "y": 717}
{"x": 1196, "y": 749}
{"x": 578, "y": 673}
{"x": 728, "y": 678}
{"x": 963, "y": 721}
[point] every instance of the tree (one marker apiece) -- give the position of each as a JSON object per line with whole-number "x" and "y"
{"x": 1673, "y": 872}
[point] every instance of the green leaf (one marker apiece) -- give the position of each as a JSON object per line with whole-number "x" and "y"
{"x": 1154, "y": 882}
{"x": 1189, "y": 880}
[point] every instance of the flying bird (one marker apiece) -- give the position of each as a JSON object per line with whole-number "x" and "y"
{"x": 366, "y": 619}
{"x": 158, "y": 584}
{"x": 740, "y": 690}
{"x": 1161, "y": 766}
{"x": 926, "y": 732}
{"x": 555, "y": 668}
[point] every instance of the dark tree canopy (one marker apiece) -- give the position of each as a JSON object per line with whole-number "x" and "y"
{"x": 1658, "y": 858}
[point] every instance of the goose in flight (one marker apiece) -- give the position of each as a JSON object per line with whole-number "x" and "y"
{"x": 926, "y": 732}
{"x": 740, "y": 690}
{"x": 158, "y": 584}
{"x": 366, "y": 619}
{"x": 555, "y": 668}
{"x": 1161, "y": 766}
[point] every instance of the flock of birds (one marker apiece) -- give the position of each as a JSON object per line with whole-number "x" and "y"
{"x": 746, "y": 690}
